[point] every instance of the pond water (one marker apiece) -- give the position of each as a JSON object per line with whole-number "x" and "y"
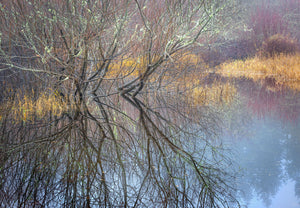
{"x": 264, "y": 135}
{"x": 260, "y": 137}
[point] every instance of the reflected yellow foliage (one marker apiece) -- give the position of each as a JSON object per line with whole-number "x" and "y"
{"x": 26, "y": 108}
{"x": 216, "y": 94}
{"x": 284, "y": 69}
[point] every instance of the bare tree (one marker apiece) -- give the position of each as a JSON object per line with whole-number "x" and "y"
{"x": 128, "y": 134}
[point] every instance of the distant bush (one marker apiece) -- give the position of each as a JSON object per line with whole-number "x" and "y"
{"x": 239, "y": 49}
{"x": 278, "y": 44}
{"x": 225, "y": 50}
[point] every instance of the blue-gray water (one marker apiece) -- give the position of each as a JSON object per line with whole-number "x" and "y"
{"x": 264, "y": 135}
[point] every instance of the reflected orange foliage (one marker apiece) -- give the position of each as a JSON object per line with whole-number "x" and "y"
{"x": 216, "y": 94}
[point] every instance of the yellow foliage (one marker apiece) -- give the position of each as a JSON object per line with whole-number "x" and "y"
{"x": 189, "y": 59}
{"x": 134, "y": 66}
{"x": 284, "y": 69}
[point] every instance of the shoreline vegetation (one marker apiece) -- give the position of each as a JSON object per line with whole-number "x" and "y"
{"x": 26, "y": 107}
{"x": 282, "y": 70}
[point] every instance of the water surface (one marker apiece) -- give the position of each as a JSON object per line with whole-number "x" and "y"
{"x": 264, "y": 135}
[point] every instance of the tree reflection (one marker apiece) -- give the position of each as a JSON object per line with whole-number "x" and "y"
{"x": 292, "y": 145}
{"x": 69, "y": 163}
{"x": 268, "y": 99}
{"x": 260, "y": 155}
{"x": 267, "y": 146}
{"x": 71, "y": 169}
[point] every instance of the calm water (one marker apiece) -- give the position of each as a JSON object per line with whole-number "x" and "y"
{"x": 261, "y": 135}
{"x": 264, "y": 135}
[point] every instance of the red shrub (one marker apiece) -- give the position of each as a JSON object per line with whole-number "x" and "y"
{"x": 268, "y": 21}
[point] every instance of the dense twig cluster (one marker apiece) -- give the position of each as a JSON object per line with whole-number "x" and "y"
{"x": 124, "y": 142}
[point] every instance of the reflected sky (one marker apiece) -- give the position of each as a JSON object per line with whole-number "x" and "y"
{"x": 266, "y": 150}
{"x": 285, "y": 197}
